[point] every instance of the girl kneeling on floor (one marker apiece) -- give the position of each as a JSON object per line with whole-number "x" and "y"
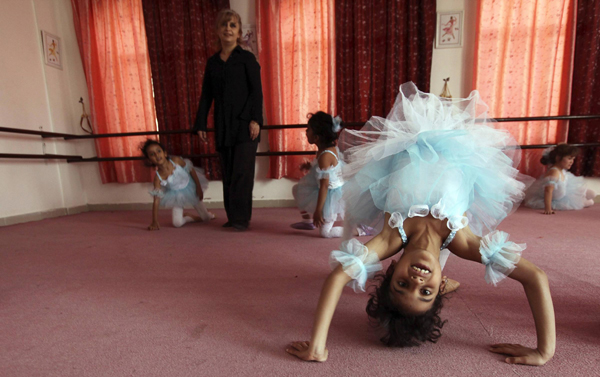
{"x": 177, "y": 184}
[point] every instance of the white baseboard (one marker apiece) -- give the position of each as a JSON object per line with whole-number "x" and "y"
{"x": 37, "y": 216}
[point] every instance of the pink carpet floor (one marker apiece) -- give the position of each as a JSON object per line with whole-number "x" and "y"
{"x": 96, "y": 294}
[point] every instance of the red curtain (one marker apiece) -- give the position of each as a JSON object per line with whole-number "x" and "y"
{"x": 112, "y": 44}
{"x": 523, "y": 52}
{"x": 295, "y": 39}
{"x": 181, "y": 37}
{"x": 585, "y": 93}
{"x": 380, "y": 44}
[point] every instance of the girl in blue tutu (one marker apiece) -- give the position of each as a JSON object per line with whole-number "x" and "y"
{"x": 558, "y": 189}
{"x": 320, "y": 191}
{"x": 431, "y": 177}
{"x": 177, "y": 184}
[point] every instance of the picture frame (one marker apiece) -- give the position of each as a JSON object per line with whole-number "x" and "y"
{"x": 249, "y": 41}
{"x": 52, "y": 50}
{"x": 449, "y": 29}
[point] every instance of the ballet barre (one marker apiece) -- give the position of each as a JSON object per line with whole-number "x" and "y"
{"x": 350, "y": 125}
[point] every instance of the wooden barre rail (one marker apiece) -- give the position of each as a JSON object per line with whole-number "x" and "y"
{"x": 75, "y": 158}
{"x": 47, "y": 135}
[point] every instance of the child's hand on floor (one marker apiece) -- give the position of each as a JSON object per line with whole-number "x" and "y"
{"x": 154, "y": 226}
{"x": 318, "y": 219}
{"x": 451, "y": 285}
{"x": 302, "y": 351}
{"x": 520, "y": 354}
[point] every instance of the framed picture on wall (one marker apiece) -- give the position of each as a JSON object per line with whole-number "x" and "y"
{"x": 52, "y": 50}
{"x": 449, "y": 30}
{"x": 249, "y": 41}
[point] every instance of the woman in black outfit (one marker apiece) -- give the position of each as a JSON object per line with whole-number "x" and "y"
{"x": 232, "y": 80}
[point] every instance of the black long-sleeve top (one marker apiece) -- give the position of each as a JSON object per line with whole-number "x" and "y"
{"x": 236, "y": 89}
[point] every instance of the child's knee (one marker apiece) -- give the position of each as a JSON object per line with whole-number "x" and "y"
{"x": 590, "y": 194}
{"x": 178, "y": 223}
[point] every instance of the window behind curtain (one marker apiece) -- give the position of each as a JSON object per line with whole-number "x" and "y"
{"x": 522, "y": 65}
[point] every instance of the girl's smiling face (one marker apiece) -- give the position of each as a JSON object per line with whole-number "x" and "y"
{"x": 566, "y": 162}
{"x": 416, "y": 281}
{"x": 156, "y": 154}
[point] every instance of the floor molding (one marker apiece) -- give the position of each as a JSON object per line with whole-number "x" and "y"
{"x": 37, "y": 216}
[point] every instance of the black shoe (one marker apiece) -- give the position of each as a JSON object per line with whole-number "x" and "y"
{"x": 227, "y": 225}
{"x": 240, "y": 227}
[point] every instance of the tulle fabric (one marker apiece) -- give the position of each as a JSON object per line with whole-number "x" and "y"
{"x": 179, "y": 189}
{"x": 306, "y": 192}
{"x": 499, "y": 255}
{"x": 360, "y": 264}
{"x": 430, "y": 154}
{"x": 567, "y": 195}
{"x": 357, "y": 261}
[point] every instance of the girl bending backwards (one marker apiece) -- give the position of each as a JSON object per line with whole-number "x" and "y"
{"x": 320, "y": 190}
{"x": 559, "y": 189}
{"x": 438, "y": 180}
{"x": 176, "y": 185}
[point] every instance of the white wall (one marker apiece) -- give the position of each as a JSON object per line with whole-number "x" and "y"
{"x": 37, "y": 97}
{"x": 456, "y": 63}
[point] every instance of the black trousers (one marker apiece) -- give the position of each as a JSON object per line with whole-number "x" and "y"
{"x": 237, "y": 165}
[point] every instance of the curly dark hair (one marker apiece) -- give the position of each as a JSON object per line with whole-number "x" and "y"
{"x": 402, "y": 329}
{"x": 560, "y": 151}
{"x": 321, "y": 124}
{"x": 144, "y": 148}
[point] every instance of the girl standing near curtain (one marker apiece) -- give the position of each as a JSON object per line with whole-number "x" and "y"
{"x": 232, "y": 80}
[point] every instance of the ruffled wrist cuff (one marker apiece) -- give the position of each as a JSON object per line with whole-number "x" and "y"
{"x": 499, "y": 255}
{"x": 357, "y": 261}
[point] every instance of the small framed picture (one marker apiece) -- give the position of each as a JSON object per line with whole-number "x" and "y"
{"x": 52, "y": 50}
{"x": 449, "y": 29}
{"x": 249, "y": 41}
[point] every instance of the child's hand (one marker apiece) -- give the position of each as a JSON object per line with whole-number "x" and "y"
{"x": 154, "y": 226}
{"x": 306, "y": 165}
{"x": 318, "y": 219}
{"x": 199, "y": 193}
{"x": 302, "y": 351}
{"x": 548, "y": 212}
{"x": 520, "y": 354}
{"x": 451, "y": 285}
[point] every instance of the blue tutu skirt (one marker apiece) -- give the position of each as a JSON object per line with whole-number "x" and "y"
{"x": 306, "y": 194}
{"x": 571, "y": 196}
{"x": 430, "y": 154}
{"x": 185, "y": 197}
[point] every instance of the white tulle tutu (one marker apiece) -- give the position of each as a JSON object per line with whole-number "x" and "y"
{"x": 567, "y": 195}
{"x": 306, "y": 192}
{"x": 179, "y": 189}
{"x": 430, "y": 154}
